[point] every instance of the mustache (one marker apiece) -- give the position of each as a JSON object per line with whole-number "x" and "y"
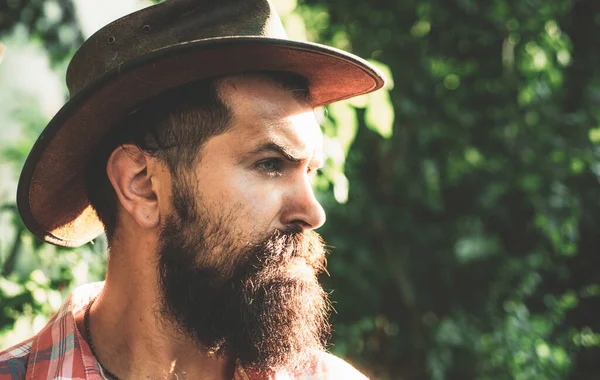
{"x": 282, "y": 246}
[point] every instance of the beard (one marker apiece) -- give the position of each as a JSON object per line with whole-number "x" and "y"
{"x": 260, "y": 304}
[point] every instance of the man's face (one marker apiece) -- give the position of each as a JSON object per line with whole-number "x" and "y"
{"x": 238, "y": 258}
{"x": 261, "y": 169}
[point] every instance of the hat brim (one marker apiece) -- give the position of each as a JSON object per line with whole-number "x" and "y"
{"x": 51, "y": 195}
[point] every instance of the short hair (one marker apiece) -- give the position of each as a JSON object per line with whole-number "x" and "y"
{"x": 172, "y": 127}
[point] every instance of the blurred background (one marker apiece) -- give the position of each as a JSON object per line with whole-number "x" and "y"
{"x": 463, "y": 201}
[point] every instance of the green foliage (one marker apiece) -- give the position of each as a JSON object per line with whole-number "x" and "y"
{"x": 462, "y": 199}
{"x": 51, "y": 23}
{"x": 470, "y": 226}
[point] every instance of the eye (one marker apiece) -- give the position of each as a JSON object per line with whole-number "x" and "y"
{"x": 271, "y": 165}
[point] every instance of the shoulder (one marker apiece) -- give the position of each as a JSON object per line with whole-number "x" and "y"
{"x": 331, "y": 367}
{"x": 13, "y": 360}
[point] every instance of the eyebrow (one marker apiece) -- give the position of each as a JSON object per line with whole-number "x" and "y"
{"x": 281, "y": 149}
{"x": 284, "y": 150}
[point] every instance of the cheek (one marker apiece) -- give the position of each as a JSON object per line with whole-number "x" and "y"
{"x": 261, "y": 198}
{"x": 255, "y": 202}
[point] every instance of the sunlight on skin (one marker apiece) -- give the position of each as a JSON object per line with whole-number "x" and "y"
{"x": 308, "y": 134}
{"x": 172, "y": 370}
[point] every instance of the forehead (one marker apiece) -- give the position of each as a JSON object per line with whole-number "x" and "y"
{"x": 263, "y": 110}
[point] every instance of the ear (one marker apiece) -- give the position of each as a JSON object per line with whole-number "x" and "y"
{"x": 128, "y": 171}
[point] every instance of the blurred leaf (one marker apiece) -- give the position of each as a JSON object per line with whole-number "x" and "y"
{"x": 379, "y": 115}
{"x": 346, "y": 123}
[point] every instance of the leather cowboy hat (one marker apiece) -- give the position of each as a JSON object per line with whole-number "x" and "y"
{"x": 148, "y": 52}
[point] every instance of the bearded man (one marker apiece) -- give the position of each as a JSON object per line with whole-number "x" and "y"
{"x": 190, "y": 139}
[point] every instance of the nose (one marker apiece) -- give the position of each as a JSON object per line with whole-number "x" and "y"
{"x": 302, "y": 207}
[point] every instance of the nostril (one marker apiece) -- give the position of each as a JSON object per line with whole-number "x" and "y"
{"x": 297, "y": 226}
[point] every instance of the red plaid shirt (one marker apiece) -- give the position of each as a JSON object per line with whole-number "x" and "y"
{"x": 59, "y": 351}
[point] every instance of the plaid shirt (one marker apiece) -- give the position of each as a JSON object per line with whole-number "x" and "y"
{"x": 59, "y": 351}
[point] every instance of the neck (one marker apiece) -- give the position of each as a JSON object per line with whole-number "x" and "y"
{"x": 129, "y": 337}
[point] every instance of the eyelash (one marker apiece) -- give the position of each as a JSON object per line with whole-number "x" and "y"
{"x": 274, "y": 172}
{"x": 277, "y": 170}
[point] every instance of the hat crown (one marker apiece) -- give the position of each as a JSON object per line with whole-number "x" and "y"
{"x": 165, "y": 24}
